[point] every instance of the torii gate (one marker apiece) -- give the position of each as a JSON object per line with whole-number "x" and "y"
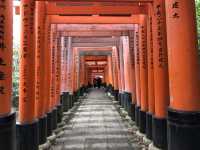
{"x": 167, "y": 86}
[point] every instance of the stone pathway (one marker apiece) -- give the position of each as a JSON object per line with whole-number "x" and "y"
{"x": 95, "y": 125}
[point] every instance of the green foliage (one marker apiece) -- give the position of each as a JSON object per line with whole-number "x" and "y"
{"x": 198, "y": 15}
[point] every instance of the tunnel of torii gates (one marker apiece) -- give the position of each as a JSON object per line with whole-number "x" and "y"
{"x": 144, "y": 50}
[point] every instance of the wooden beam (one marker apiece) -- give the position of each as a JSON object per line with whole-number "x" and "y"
{"x": 94, "y": 44}
{"x": 120, "y": 1}
{"x": 95, "y": 40}
{"x": 96, "y": 66}
{"x": 95, "y": 8}
{"x": 94, "y": 33}
{"x": 95, "y": 27}
{"x": 96, "y": 58}
{"x": 95, "y": 53}
{"x": 55, "y": 19}
{"x": 109, "y": 48}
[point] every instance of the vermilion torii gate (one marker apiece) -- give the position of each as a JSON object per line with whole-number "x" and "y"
{"x": 153, "y": 68}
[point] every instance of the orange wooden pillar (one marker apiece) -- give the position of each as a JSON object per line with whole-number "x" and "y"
{"x": 58, "y": 68}
{"x": 106, "y": 76}
{"x": 63, "y": 81}
{"x": 151, "y": 97}
{"x": 62, "y": 65}
{"x": 75, "y": 77}
{"x": 87, "y": 82}
{"x": 65, "y": 64}
{"x": 53, "y": 64}
{"x": 184, "y": 76}
{"x": 76, "y": 68}
{"x": 54, "y": 50}
{"x": 47, "y": 72}
{"x": 58, "y": 79}
{"x": 73, "y": 68}
{"x": 115, "y": 73}
{"x": 64, "y": 42}
{"x": 81, "y": 75}
{"x": 161, "y": 82}
{"x": 115, "y": 86}
{"x": 7, "y": 118}
{"x": 121, "y": 62}
{"x": 119, "y": 74}
{"x": 39, "y": 73}
{"x": 137, "y": 73}
{"x": 69, "y": 92}
{"x": 88, "y": 75}
{"x": 110, "y": 74}
{"x": 132, "y": 67}
{"x": 128, "y": 75}
{"x": 82, "y": 69}
{"x": 27, "y": 127}
{"x": 143, "y": 72}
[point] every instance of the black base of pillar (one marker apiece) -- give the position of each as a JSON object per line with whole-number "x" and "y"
{"x": 65, "y": 101}
{"x": 61, "y": 98}
{"x": 127, "y": 102}
{"x": 113, "y": 91}
{"x": 137, "y": 113}
{"x": 159, "y": 132}
{"x": 71, "y": 100}
{"x": 110, "y": 89}
{"x": 59, "y": 113}
{"x": 149, "y": 125}
{"x": 82, "y": 91}
{"x": 49, "y": 124}
{"x": 119, "y": 98}
{"x": 183, "y": 130}
{"x": 132, "y": 115}
{"x": 8, "y": 132}
{"x": 142, "y": 121}
{"x": 78, "y": 93}
{"x": 75, "y": 97}
{"x": 42, "y": 130}
{"x": 116, "y": 95}
{"x": 122, "y": 100}
{"x": 27, "y": 136}
{"x": 54, "y": 118}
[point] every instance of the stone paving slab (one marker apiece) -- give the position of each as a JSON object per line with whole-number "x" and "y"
{"x": 96, "y": 125}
